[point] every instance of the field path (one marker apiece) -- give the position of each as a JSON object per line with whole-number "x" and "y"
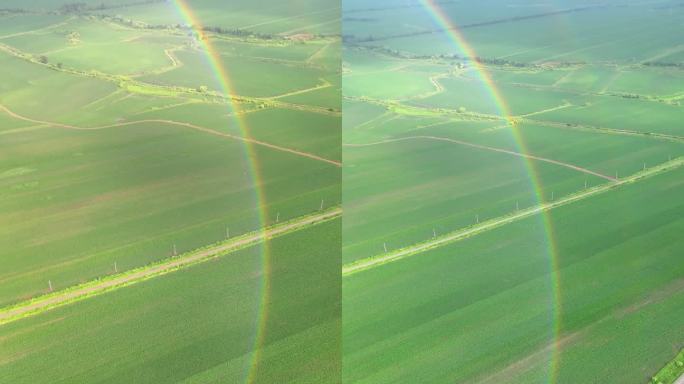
{"x": 488, "y": 148}
{"x": 375, "y": 261}
{"x": 34, "y": 31}
{"x": 176, "y": 123}
{"x": 83, "y": 291}
{"x": 323, "y": 85}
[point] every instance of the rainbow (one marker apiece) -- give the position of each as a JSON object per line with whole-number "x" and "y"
{"x": 227, "y": 88}
{"x": 452, "y": 31}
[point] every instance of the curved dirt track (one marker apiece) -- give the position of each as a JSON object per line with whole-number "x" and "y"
{"x": 493, "y": 149}
{"x": 176, "y": 123}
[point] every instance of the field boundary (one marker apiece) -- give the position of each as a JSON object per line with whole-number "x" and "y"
{"x": 464, "y": 233}
{"x": 672, "y": 372}
{"x": 487, "y": 148}
{"x": 105, "y": 284}
{"x": 176, "y": 123}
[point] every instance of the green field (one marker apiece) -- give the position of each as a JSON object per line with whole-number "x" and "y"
{"x": 129, "y": 137}
{"x": 407, "y": 321}
{"x": 202, "y": 333}
{"x": 436, "y": 145}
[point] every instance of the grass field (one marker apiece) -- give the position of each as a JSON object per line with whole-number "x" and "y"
{"x": 128, "y": 137}
{"x": 202, "y": 333}
{"x": 406, "y": 321}
{"x": 436, "y": 145}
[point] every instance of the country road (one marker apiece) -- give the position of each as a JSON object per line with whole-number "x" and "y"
{"x": 375, "y": 261}
{"x": 680, "y": 380}
{"x": 60, "y": 298}
{"x": 488, "y": 148}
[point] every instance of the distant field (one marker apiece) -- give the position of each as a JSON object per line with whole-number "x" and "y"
{"x": 264, "y": 16}
{"x": 205, "y": 330}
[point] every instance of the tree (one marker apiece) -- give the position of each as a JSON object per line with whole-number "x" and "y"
{"x": 43, "y": 59}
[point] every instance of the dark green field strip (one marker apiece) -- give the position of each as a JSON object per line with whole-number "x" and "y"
{"x": 197, "y": 326}
{"x": 482, "y": 309}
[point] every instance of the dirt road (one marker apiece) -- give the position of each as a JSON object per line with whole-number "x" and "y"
{"x": 58, "y": 299}
{"x": 176, "y": 123}
{"x": 487, "y": 148}
{"x": 375, "y": 261}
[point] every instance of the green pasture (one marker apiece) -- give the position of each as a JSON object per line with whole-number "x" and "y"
{"x": 197, "y": 325}
{"x": 482, "y": 310}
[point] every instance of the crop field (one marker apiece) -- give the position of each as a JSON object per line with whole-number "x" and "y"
{"x": 197, "y": 334}
{"x": 512, "y": 191}
{"x": 134, "y": 133}
{"x": 620, "y": 298}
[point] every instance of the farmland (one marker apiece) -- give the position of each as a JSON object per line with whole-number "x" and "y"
{"x": 512, "y": 191}
{"x": 145, "y": 330}
{"x": 137, "y": 133}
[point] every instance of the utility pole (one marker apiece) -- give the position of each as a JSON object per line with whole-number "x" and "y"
{"x": 434, "y": 233}
{"x": 277, "y": 217}
{"x": 321, "y": 208}
{"x": 175, "y": 251}
{"x": 585, "y": 184}
{"x": 50, "y": 284}
{"x": 384, "y": 245}
{"x": 552, "y": 196}
{"x": 227, "y": 233}
{"x": 116, "y": 269}
{"x": 477, "y": 219}
{"x": 644, "y": 166}
{"x": 517, "y": 206}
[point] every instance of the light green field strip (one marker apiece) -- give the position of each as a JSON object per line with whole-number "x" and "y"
{"x": 96, "y": 287}
{"x": 176, "y": 123}
{"x": 402, "y": 253}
